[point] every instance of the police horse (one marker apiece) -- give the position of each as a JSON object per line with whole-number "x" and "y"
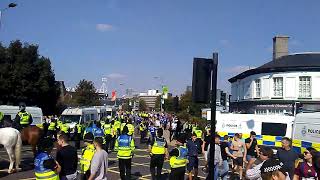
{"x": 10, "y": 138}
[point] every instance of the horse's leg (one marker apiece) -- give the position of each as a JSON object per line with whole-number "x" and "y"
{"x": 10, "y": 152}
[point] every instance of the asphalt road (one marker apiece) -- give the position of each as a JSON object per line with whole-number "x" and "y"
{"x": 140, "y": 164}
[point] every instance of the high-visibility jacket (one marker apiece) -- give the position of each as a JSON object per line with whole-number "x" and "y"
{"x": 87, "y": 155}
{"x": 131, "y": 129}
{"x": 125, "y": 146}
{"x": 122, "y": 126}
{"x": 117, "y": 125}
{"x": 52, "y": 126}
{"x": 194, "y": 128}
{"x": 1, "y": 116}
{"x": 198, "y": 133}
{"x": 24, "y": 117}
{"x": 79, "y": 128}
{"x": 64, "y": 128}
{"x": 107, "y": 129}
{"x": 181, "y": 160}
{"x": 142, "y": 127}
{"x": 41, "y": 172}
{"x": 158, "y": 146}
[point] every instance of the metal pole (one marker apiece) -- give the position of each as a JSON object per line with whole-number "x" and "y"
{"x": 213, "y": 114}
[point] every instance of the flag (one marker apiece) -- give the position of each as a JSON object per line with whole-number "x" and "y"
{"x": 114, "y": 96}
{"x": 165, "y": 91}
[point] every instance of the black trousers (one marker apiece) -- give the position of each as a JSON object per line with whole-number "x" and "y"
{"x": 125, "y": 169}
{"x": 108, "y": 141}
{"x": 177, "y": 173}
{"x": 156, "y": 162}
{"x": 112, "y": 143}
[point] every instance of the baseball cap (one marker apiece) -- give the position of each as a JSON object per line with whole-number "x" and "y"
{"x": 88, "y": 137}
{"x": 272, "y": 165}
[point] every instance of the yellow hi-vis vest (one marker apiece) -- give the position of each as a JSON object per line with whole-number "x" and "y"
{"x": 79, "y": 128}
{"x": 24, "y": 117}
{"x": 142, "y": 127}
{"x": 122, "y": 126}
{"x": 158, "y": 146}
{"x": 87, "y": 155}
{"x": 131, "y": 129}
{"x": 107, "y": 129}
{"x": 181, "y": 160}
{"x": 124, "y": 145}
{"x": 64, "y": 128}
{"x": 198, "y": 133}
{"x": 50, "y": 175}
{"x": 1, "y": 116}
{"x": 52, "y": 126}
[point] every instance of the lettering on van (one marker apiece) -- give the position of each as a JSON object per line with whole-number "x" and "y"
{"x": 232, "y": 126}
{"x": 314, "y": 131}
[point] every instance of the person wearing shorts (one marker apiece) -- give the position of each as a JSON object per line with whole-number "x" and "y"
{"x": 239, "y": 154}
{"x": 193, "y": 163}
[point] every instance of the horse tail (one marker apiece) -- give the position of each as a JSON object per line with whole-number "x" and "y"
{"x": 17, "y": 150}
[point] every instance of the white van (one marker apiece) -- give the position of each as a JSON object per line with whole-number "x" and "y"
{"x": 269, "y": 128}
{"x": 306, "y": 131}
{"x": 73, "y": 116}
{"x": 10, "y": 113}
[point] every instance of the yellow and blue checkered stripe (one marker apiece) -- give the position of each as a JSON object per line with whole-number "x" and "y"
{"x": 298, "y": 145}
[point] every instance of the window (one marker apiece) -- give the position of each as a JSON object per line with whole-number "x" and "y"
{"x": 305, "y": 87}
{"x": 258, "y": 88}
{"x": 274, "y": 129}
{"x": 278, "y": 87}
{"x": 275, "y": 111}
{"x": 261, "y": 111}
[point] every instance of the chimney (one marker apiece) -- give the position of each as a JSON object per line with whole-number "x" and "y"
{"x": 280, "y": 46}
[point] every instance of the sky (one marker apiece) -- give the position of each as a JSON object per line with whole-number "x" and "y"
{"x": 132, "y": 41}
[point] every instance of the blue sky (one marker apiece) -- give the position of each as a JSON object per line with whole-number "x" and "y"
{"x": 132, "y": 41}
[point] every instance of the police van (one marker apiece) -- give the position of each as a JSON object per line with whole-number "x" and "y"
{"x": 10, "y": 113}
{"x": 306, "y": 131}
{"x": 73, "y": 116}
{"x": 269, "y": 128}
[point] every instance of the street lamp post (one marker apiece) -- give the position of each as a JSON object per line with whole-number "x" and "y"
{"x": 11, "y": 5}
{"x": 161, "y": 86}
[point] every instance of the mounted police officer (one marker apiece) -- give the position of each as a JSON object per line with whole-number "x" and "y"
{"x": 23, "y": 118}
{"x": 45, "y": 166}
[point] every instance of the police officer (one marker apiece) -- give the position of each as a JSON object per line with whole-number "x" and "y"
{"x": 64, "y": 128}
{"x": 87, "y": 155}
{"x": 52, "y": 129}
{"x": 158, "y": 151}
{"x": 23, "y": 118}
{"x": 45, "y": 166}
{"x": 78, "y": 132}
{"x": 143, "y": 131}
{"x": 178, "y": 160}
{"x": 198, "y": 132}
{"x": 98, "y": 132}
{"x": 125, "y": 146}
{"x": 1, "y": 119}
{"x": 108, "y": 131}
{"x": 130, "y": 127}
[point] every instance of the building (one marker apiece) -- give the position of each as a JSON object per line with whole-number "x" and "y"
{"x": 287, "y": 83}
{"x": 189, "y": 89}
{"x": 129, "y": 93}
{"x": 150, "y": 98}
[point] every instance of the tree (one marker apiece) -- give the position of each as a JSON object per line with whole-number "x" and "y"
{"x": 25, "y": 76}
{"x": 187, "y": 105}
{"x": 142, "y": 105}
{"x": 85, "y": 94}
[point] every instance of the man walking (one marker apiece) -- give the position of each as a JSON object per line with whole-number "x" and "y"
{"x": 158, "y": 151}
{"x": 125, "y": 146}
{"x": 67, "y": 158}
{"x": 99, "y": 163}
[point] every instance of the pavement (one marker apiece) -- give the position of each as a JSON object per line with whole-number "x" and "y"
{"x": 139, "y": 170}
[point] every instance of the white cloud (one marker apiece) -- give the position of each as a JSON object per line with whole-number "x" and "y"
{"x": 104, "y": 27}
{"x": 116, "y": 76}
{"x": 238, "y": 69}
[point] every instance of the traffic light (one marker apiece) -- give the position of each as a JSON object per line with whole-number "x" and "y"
{"x": 176, "y": 104}
{"x": 201, "y": 80}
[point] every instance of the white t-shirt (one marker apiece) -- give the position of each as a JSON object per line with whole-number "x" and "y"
{"x": 99, "y": 165}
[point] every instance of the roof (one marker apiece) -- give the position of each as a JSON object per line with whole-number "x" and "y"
{"x": 292, "y": 62}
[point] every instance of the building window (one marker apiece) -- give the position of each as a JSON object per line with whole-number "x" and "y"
{"x": 258, "y": 88}
{"x": 275, "y": 111}
{"x": 305, "y": 87}
{"x": 261, "y": 111}
{"x": 278, "y": 87}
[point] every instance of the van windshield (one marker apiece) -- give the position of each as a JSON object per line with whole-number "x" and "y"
{"x": 70, "y": 118}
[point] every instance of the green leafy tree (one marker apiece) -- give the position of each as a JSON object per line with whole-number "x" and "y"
{"x": 85, "y": 94}
{"x": 187, "y": 105}
{"x": 25, "y": 76}
{"x": 142, "y": 105}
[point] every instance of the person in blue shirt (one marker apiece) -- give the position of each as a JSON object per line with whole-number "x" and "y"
{"x": 193, "y": 147}
{"x": 45, "y": 167}
{"x": 152, "y": 131}
{"x": 97, "y": 131}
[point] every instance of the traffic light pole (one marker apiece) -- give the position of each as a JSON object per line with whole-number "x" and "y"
{"x": 214, "y": 70}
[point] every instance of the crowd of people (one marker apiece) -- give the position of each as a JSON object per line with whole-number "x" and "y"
{"x": 235, "y": 157}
